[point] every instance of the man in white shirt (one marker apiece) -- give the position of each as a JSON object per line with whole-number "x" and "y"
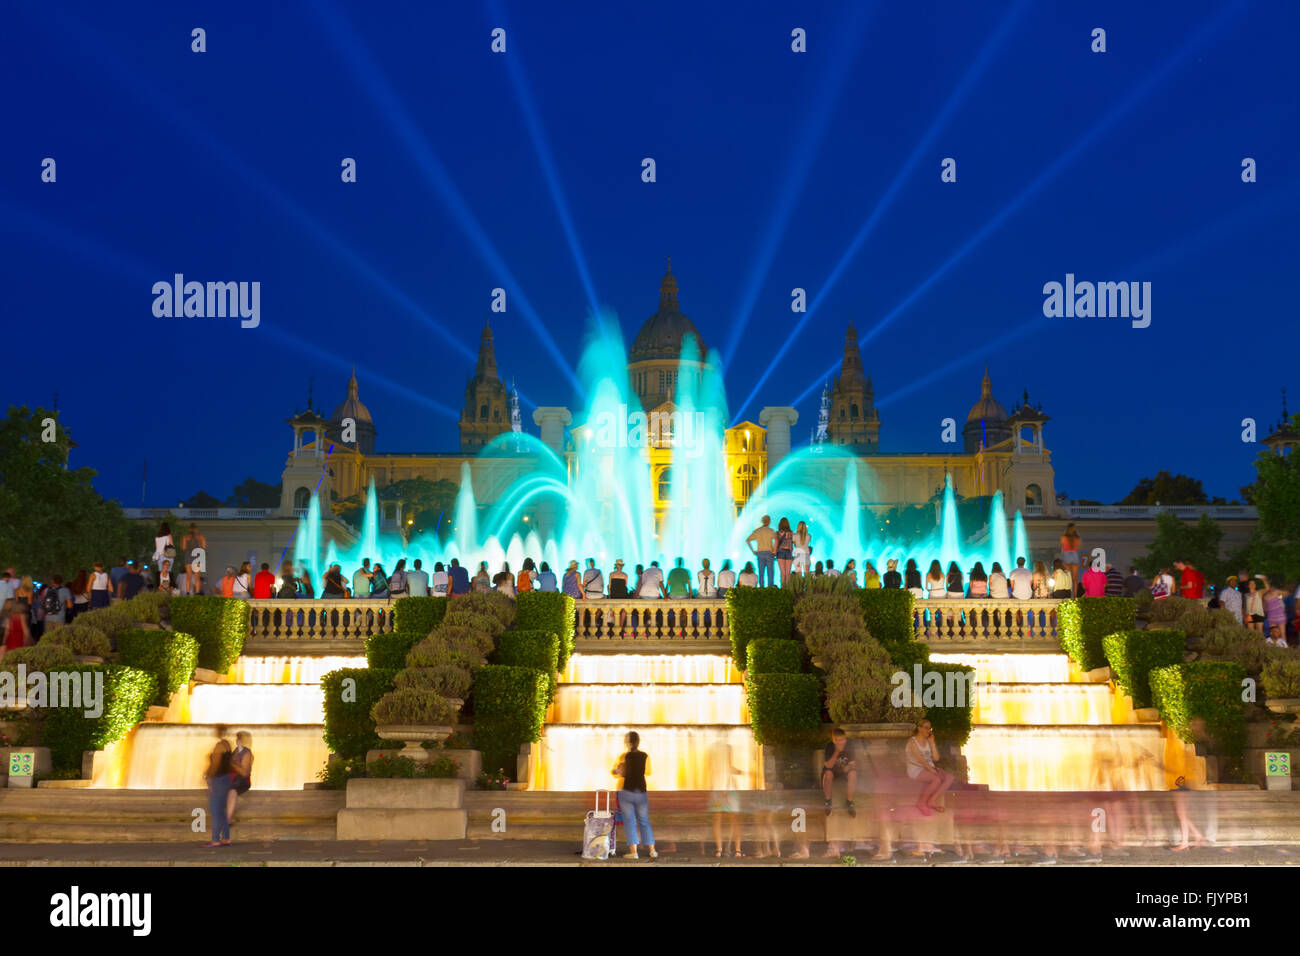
{"x": 1230, "y": 598}
{"x": 441, "y": 580}
{"x": 417, "y": 581}
{"x": 7, "y": 587}
{"x": 705, "y": 578}
{"x": 1022, "y": 581}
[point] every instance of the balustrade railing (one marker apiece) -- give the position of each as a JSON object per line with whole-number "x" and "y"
{"x": 665, "y": 619}
{"x": 320, "y": 620}
{"x": 985, "y": 621}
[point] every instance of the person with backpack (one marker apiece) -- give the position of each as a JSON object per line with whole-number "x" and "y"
{"x": 397, "y": 586}
{"x": 56, "y": 603}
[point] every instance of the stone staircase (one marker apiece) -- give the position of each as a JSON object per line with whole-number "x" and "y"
{"x": 57, "y": 815}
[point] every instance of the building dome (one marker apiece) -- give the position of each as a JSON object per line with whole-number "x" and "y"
{"x": 661, "y": 335}
{"x": 352, "y": 407}
{"x": 988, "y": 408}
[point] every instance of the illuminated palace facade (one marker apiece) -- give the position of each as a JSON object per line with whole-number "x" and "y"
{"x": 993, "y": 450}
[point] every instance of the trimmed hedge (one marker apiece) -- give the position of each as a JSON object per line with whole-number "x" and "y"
{"x": 887, "y": 613}
{"x": 418, "y": 615}
{"x": 1206, "y": 690}
{"x": 69, "y": 733}
{"x": 38, "y": 657}
{"x": 1281, "y": 679}
{"x": 952, "y": 723}
{"x": 771, "y": 655}
{"x": 539, "y": 650}
{"x": 908, "y": 653}
{"x": 784, "y": 708}
{"x": 170, "y": 656}
{"x": 550, "y": 611}
{"x": 1134, "y": 654}
{"x": 349, "y": 728}
{"x": 755, "y": 613}
{"x": 1082, "y": 623}
{"x": 388, "y": 651}
{"x": 219, "y": 624}
{"x": 509, "y": 711}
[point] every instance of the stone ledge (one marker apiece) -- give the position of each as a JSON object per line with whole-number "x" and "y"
{"x": 390, "y": 794}
{"x": 388, "y": 824}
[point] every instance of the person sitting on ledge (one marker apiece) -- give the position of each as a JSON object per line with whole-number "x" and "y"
{"x": 892, "y": 578}
{"x": 593, "y": 582}
{"x": 679, "y": 580}
{"x": 726, "y": 578}
{"x": 747, "y": 578}
{"x": 922, "y": 755}
{"x": 546, "y": 578}
{"x": 708, "y": 589}
{"x": 838, "y": 762}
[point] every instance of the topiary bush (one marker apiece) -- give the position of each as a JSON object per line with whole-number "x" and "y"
{"x": 1243, "y": 646}
{"x": 414, "y": 705}
{"x": 38, "y": 657}
{"x": 888, "y": 615}
{"x": 754, "y": 613}
{"x": 79, "y": 640}
{"x": 549, "y": 611}
{"x": 169, "y": 656}
{"x": 444, "y": 680}
{"x": 388, "y": 651}
{"x": 502, "y": 608}
{"x": 1169, "y": 609}
{"x": 1082, "y": 623}
{"x": 418, "y": 615}
{"x": 509, "y": 711}
{"x": 1134, "y": 654}
{"x": 1203, "y": 691}
{"x": 219, "y": 624}
{"x": 771, "y": 655}
{"x": 860, "y": 685}
{"x": 784, "y": 708}
{"x": 950, "y": 717}
{"x": 350, "y": 694}
{"x": 1281, "y": 678}
{"x": 537, "y": 649}
{"x": 69, "y": 732}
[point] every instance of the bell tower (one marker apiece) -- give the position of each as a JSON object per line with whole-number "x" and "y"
{"x": 854, "y": 423}
{"x": 487, "y": 403}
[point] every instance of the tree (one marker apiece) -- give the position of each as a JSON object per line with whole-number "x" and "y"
{"x": 1167, "y": 489}
{"x": 52, "y": 521}
{"x": 1197, "y": 544}
{"x": 202, "y": 499}
{"x": 1274, "y": 548}
{"x": 423, "y": 501}
{"x": 251, "y": 493}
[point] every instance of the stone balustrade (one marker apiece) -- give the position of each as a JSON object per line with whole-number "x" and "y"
{"x": 613, "y": 623}
{"x": 986, "y": 622}
{"x": 318, "y": 624}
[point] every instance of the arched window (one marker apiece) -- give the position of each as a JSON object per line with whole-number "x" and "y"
{"x": 853, "y": 411}
{"x": 496, "y": 414}
{"x": 302, "y": 498}
{"x": 483, "y": 413}
{"x": 1033, "y": 495}
{"x": 665, "y": 485}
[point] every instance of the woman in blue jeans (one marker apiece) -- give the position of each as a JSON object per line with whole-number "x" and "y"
{"x": 218, "y": 775}
{"x": 634, "y": 767}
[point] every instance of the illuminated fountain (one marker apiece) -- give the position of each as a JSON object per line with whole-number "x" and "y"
{"x": 1038, "y": 726}
{"x": 689, "y": 710}
{"x": 276, "y": 699}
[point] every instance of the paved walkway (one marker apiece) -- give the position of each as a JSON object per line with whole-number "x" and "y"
{"x": 541, "y": 853}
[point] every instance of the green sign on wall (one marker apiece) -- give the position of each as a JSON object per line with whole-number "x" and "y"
{"x": 21, "y": 764}
{"x": 1277, "y": 763}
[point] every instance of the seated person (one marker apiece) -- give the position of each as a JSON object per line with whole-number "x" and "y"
{"x": 837, "y": 762}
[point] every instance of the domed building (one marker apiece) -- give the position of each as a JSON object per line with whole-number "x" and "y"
{"x": 353, "y": 418}
{"x": 988, "y": 423}
{"x": 654, "y": 361}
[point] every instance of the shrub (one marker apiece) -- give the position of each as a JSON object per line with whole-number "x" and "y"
{"x": 169, "y": 656}
{"x": 1133, "y": 655}
{"x": 753, "y": 613}
{"x": 1242, "y": 646}
{"x": 1169, "y": 609}
{"x": 494, "y": 604}
{"x": 1083, "y": 622}
{"x": 443, "y": 768}
{"x": 828, "y": 604}
{"x": 1208, "y": 691}
{"x": 79, "y": 640}
{"x": 1196, "y": 620}
{"x": 771, "y": 655}
{"x": 829, "y": 621}
{"x": 409, "y": 705}
{"x": 150, "y": 607}
{"x": 467, "y": 641}
{"x": 783, "y": 706}
{"x": 444, "y": 680}
{"x": 418, "y": 615}
{"x": 906, "y": 655}
{"x": 389, "y": 650}
{"x": 950, "y": 719}
{"x": 859, "y": 685}
{"x": 110, "y": 621}
{"x": 220, "y": 625}
{"x": 820, "y": 641}
{"x": 536, "y": 649}
{"x": 801, "y": 585}
{"x": 349, "y": 728}
{"x": 1143, "y": 602}
{"x": 548, "y": 611}
{"x": 468, "y": 618}
{"x": 1281, "y": 678}
{"x": 337, "y": 772}
{"x": 509, "y": 711}
{"x": 69, "y": 732}
{"x": 39, "y": 657}
{"x": 887, "y": 612}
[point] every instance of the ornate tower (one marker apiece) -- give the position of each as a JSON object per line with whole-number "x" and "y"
{"x": 854, "y": 423}
{"x": 352, "y": 420}
{"x": 654, "y": 360}
{"x": 487, "y": 405}
{"x": 987, "y": 424}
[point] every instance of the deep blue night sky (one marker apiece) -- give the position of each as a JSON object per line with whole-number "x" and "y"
{"x": 225, "y": 166}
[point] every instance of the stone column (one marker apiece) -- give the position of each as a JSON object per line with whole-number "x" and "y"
{"x": 552, "y": 419}
{"x": 778, "y": 420}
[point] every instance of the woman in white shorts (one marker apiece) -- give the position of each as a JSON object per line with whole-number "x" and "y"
{"x": 802, "y": 548}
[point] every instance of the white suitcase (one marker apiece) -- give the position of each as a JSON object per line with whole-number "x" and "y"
{"x": 598, "y": 830}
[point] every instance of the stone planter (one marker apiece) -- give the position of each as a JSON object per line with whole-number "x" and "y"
{"x": 1284, "y": 705}
{"x": 413, "y": 738}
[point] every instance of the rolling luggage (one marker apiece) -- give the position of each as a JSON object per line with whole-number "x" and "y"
{"x": 598, "y": 829}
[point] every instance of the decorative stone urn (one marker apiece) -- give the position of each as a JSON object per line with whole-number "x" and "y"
{"x": 413, "y": 737}
{"x": 1283, "y": 705}
{"x": 89, "y": 659}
